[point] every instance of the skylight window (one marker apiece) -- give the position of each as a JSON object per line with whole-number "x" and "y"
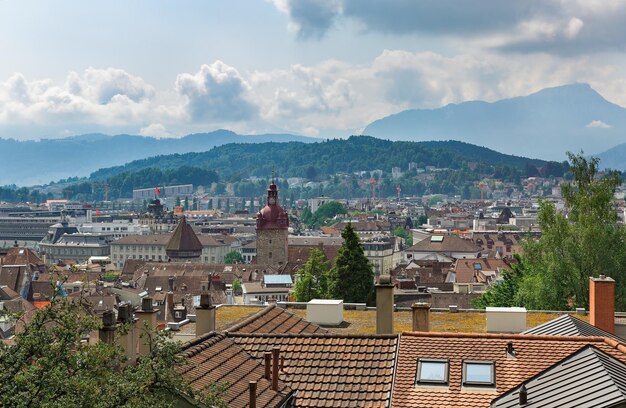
{"x": 480, "y": 373}
{"x": 431, "y": 371}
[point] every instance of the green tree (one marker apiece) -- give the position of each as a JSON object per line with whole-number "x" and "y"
{"x": 236, "y": 286}
{"x": 403, "y": 233}
{"x": 49, "y": 365}
{"x": 233, "y": 257}
{"x": 186, "y": 203}
{"x": 312, "y": 279}
{"x": 352, "y": 277}
{"x": 326, "y": 212}
{"x": 504, "y": 292}
{"x": 210, "y": 204}
{"x": 307, "y": 216}
{"x": 585, "y": 241}
{"x": 177, "y": 203}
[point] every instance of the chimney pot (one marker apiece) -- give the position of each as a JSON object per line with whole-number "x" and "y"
{"x": 523, "y": 395}
{"x": 384, "y": 305}
{"x": 268, "y": 365}
{"x": 146, "y": 304}
{"x": 205, "y": 300}
{"x": 170, "y": 282}
{"x": 421, "y": 316}
{"x": 275, "y": 353}
{"x": 252, "y": 394}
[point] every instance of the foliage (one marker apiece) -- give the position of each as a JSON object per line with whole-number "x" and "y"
{"x": 50, "y": 366}
{"x": 352, "y": 277}
{"x": 504, "y": 292}
{"x": 312, "y": 279}
{"x": 323, "y": 214}
{"x": 585, "y": 242}
{"x": 403, "y": 233}
{"x": 233, "y": 257}
{"x": 236, "y": 286}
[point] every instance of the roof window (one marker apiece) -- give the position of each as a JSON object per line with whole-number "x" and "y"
{"x": 479, "y": 373}
{"x": 432, "y": 371}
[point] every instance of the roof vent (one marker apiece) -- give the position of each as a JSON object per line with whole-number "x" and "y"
{"x": 510, "y": 351}
{"x": 523, "y": 395}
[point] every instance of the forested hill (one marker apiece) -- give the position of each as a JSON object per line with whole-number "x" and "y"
{"x": 316, "y": 160}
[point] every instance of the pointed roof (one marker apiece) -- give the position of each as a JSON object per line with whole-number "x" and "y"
{"x": 184, "y": 242}
{"x": 588, "y": 378}
{"x": 568, "y": 325}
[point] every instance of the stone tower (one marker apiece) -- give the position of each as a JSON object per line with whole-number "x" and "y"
{"x": 184, "y": 245}
{"x": 272, "y": 224}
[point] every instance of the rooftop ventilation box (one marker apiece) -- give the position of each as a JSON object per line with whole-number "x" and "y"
{"x": 327, "y": 312}
{"x": 506, "y": 319}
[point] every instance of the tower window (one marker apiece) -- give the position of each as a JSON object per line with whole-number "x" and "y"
{"x": 270, "y": 255}
{"x": 270, "y": 241}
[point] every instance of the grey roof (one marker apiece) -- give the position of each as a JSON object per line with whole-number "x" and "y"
{"x": 568, "y": 325}
{"x": 588, "y": 378}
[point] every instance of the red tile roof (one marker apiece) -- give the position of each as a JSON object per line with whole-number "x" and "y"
{"x": 533, "y": 354}
{"x": 275, "y": 320}
{"x": 331, "y": 370}
{"x": 214, "y": 358}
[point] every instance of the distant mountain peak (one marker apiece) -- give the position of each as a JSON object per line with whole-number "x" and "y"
{"x": 546, "y": 123}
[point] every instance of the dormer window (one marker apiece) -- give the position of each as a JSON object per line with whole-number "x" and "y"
{"x": 432, "y": 371}
{"x": 479, "y": 373}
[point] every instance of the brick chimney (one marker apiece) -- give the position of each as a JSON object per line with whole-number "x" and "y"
{"x": 421, "y": 317}
{"x": 602, "y": 303}
{"x": 384, "y": 305}
{"x": 146, "y": 325}
{"x": 205, "y": 315}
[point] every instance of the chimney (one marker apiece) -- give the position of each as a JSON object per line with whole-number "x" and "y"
{"x": 107, "y": 332}
{"x": 421, "y": 317}
{"x": 602, "y": 303}
{"x": 275, "y": 352}
{"x": 170, "y": 284}
{"x": 523, "y": 395}
{"x": 128, "y": 339}
{"x": 205, "y": 315}
{"x": 268, "y": 365}
{"x": 252, "y": 394}
{"x": 146, "y": 325}
{"x": 384, "y": 305}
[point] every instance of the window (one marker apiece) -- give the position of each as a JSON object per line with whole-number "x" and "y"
{"x": 432, "y": 371}
{"x": 480, "y": 373}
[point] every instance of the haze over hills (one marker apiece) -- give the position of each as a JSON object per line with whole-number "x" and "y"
{"x": 37, "y": 162}
{"x": 545, "y": 124}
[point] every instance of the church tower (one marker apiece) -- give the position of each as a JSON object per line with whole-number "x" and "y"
{"x": 272, "y": 223}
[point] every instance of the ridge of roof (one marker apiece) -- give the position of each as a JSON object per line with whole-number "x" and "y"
{"x": 313, "y": 335}
{"x": 246, "y": 321}
{"x": 191, "y": 348}
{"x": 507, "y": 336}
{"x": 570, "y": 325}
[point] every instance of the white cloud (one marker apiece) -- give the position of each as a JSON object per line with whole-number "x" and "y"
{"x": 598, "y": 124}
{"x": 155, "y": 130}
{"x": 216, "y": 92}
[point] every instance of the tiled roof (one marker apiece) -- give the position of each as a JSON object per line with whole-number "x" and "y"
{"x": 450, "y": 243}
{"x": 214, "y": 358}
{"x": 533, "y": 354}
{"x": 330, "y": 370}
{"x": 275, "y": 320}
{"x": 587, "y": 379}
{"x": 568, "y": 325}
{"x": 183, "y": 239}
{"x": 464, "y": 268}
{"x": 21, "y": 256}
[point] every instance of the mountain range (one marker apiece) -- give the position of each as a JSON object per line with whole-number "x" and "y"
{"x": 542, "y": 125}
{"x": 545, "y": 124}
{"x": 38, "y": 162}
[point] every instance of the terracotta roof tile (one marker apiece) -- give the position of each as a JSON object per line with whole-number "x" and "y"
{"x": 329, "y": 369}
{"x": 214, "y": 358}
{"x": 275, "y": 320}
{"x": 533, "y": 354}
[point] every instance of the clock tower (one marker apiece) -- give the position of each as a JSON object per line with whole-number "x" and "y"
{"x": 272, "y": 223}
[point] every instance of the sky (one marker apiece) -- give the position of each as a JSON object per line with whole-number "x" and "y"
{"x": 323, "y": 68}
